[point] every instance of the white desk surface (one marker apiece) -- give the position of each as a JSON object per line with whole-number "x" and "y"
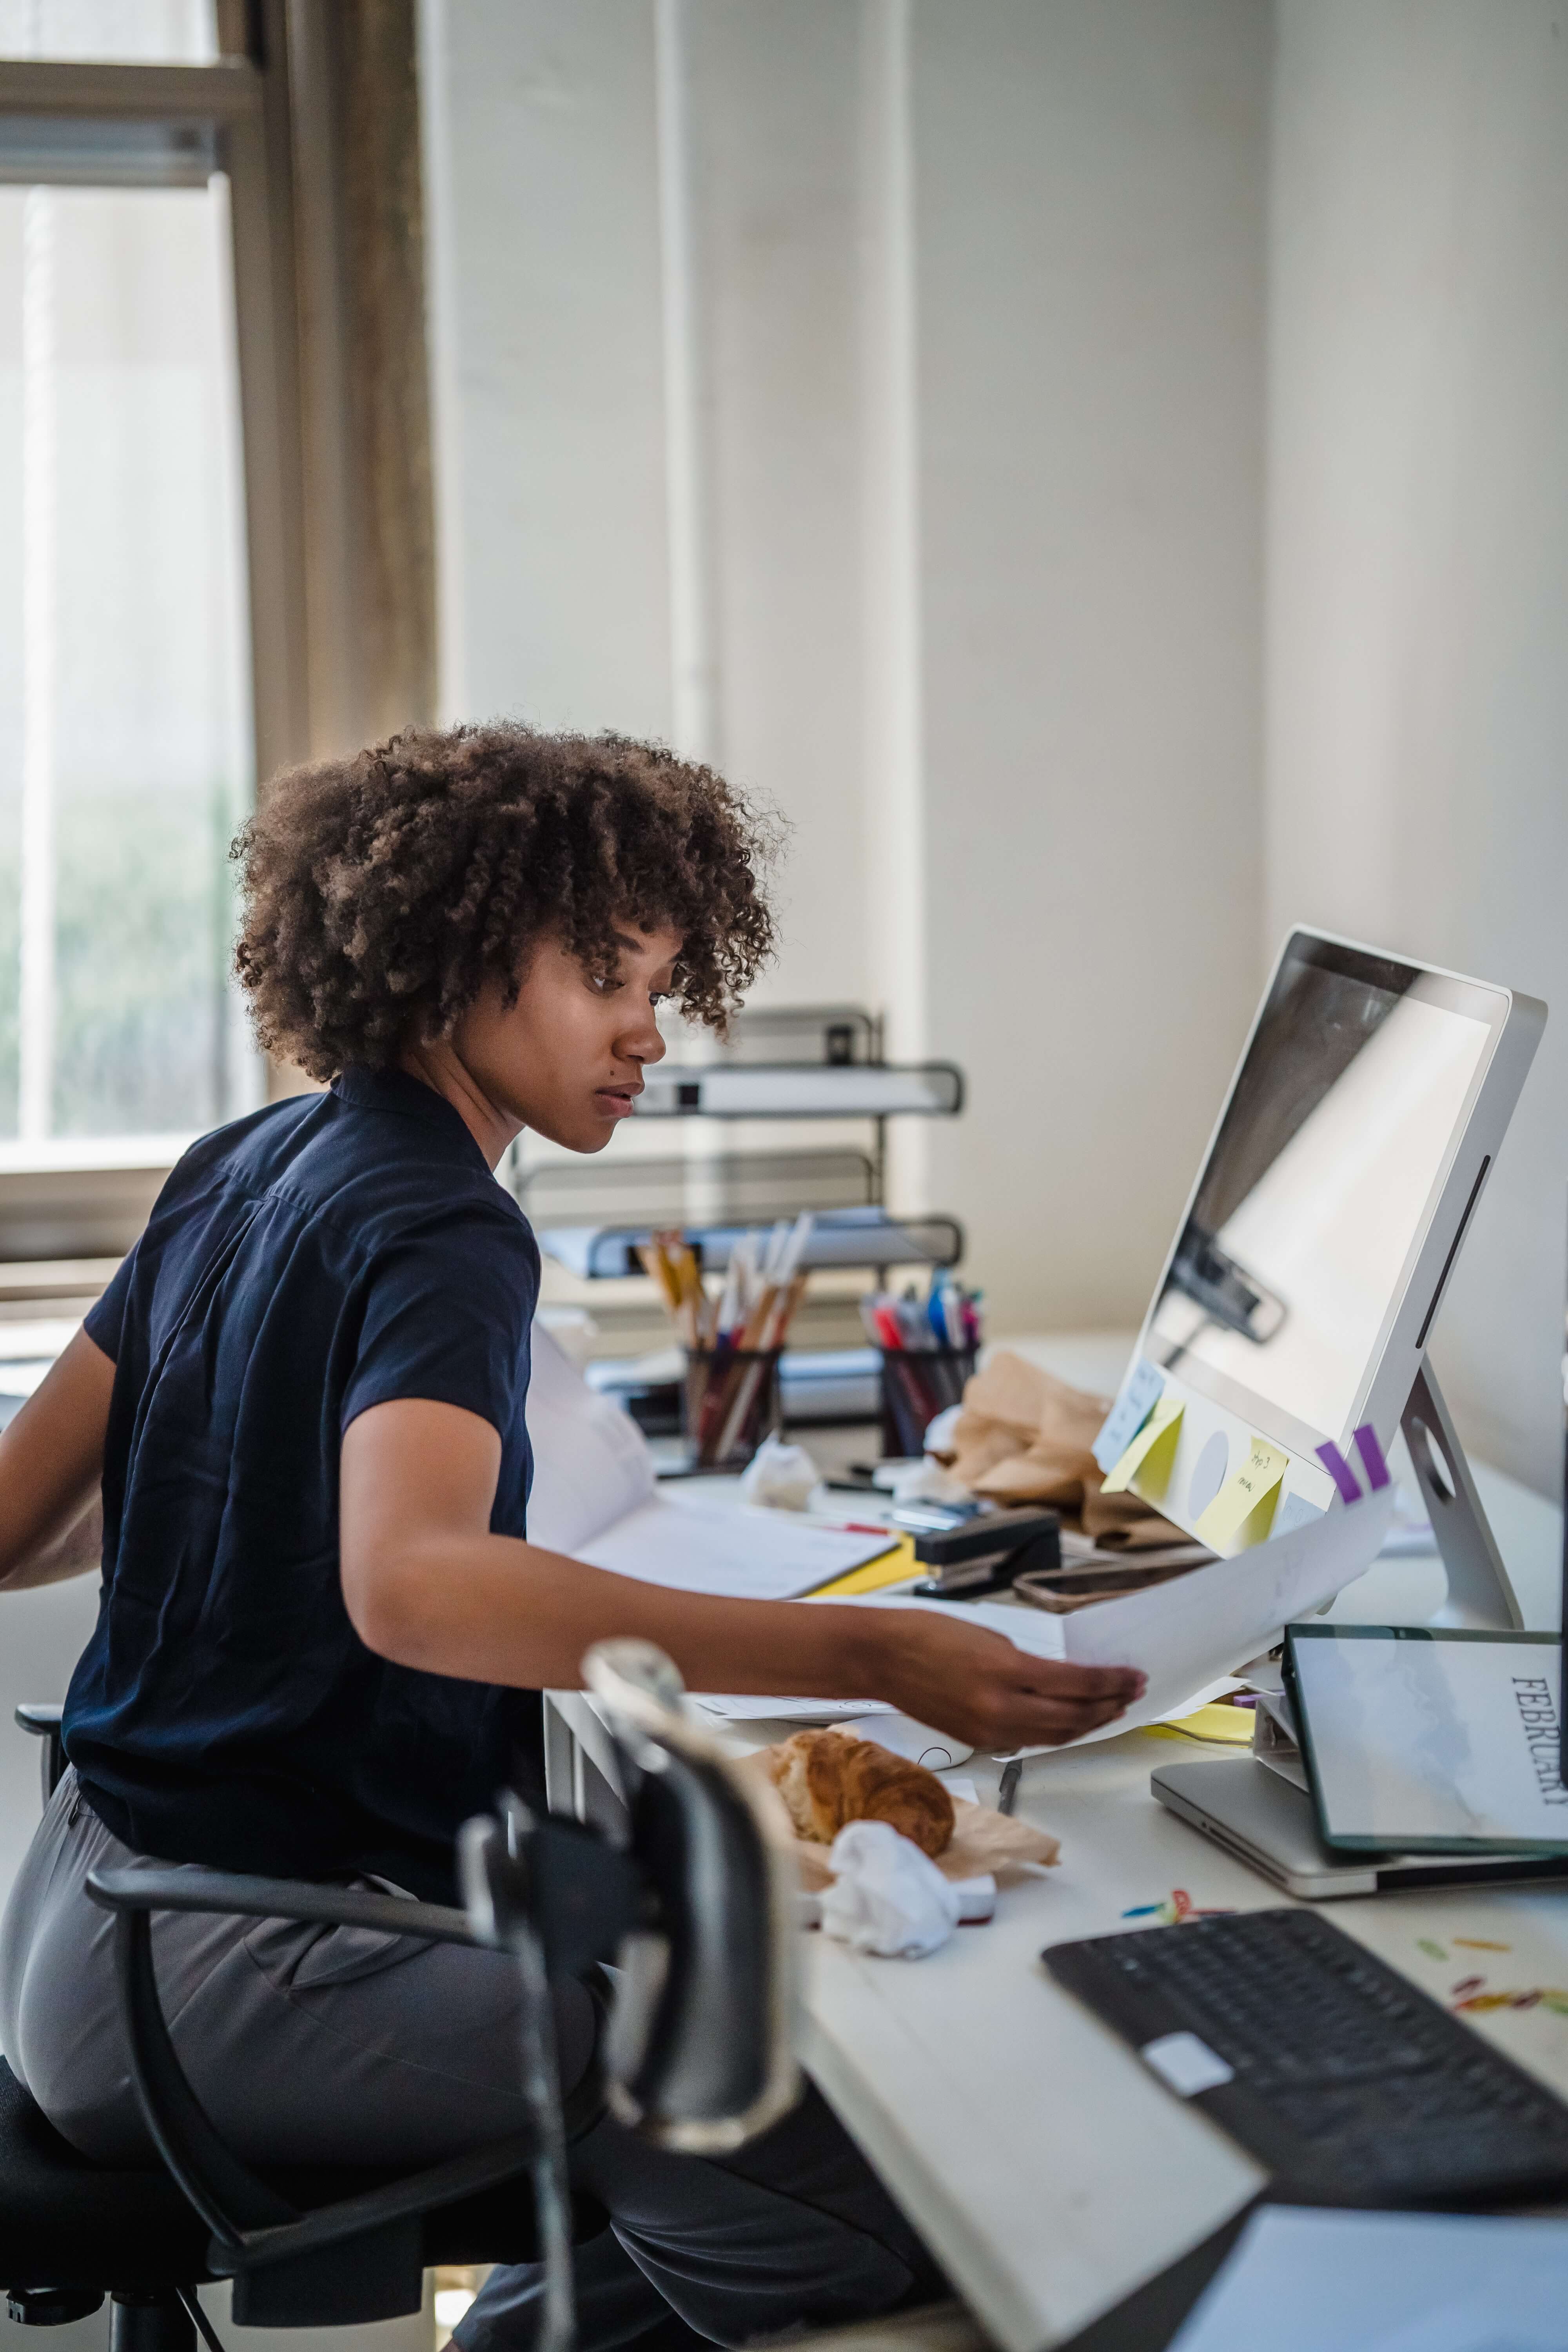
{"x": 1046, "y": 2168}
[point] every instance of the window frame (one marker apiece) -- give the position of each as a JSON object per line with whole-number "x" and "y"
{"x": 241, "y": 105}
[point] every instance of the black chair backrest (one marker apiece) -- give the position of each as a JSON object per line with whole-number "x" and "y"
{"x": 700, "y": 2050}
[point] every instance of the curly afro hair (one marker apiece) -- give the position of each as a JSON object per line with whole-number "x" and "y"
{"x": 381, "y": 892}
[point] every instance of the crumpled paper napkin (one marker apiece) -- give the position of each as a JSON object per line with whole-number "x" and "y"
{"x": 886, "y": 1896}
{"x": 781, "y": 1477}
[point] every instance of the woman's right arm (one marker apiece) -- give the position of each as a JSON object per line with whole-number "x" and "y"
{"x": 426, "y": 1583}
{"x": 51, "y": 1463}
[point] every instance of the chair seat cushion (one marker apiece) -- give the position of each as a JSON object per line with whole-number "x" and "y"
{"x": 66, "y": 2222}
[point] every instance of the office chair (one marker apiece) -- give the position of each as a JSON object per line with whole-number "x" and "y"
{"x": 696, "y": 2052}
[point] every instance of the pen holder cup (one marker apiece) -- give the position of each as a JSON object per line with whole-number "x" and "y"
{"x": 731, "y": 1403}
{"x": 917, "y": 1384}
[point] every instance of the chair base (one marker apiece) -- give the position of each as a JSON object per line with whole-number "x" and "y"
{"x": 51, "y": 2307}
{"x": 137, "y": 2323}
{"x": 150, "y": 2323}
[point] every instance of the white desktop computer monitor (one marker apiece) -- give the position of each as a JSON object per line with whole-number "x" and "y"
{"x": 1354, "y": 1143}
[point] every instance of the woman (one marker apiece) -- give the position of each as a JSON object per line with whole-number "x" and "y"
{"x": 323, "y": 1631}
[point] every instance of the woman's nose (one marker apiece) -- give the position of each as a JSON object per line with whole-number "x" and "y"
{"x": 645, "y": 1043}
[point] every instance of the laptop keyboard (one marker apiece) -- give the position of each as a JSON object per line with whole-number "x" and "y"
{"x": 1349, "y": 2084}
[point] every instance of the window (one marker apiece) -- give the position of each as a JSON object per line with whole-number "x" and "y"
{"x": 141, "y": 32}
{"x": 125, "y": 759}
{"x": 143, "y": 408}
{"x": 217, "y": 543}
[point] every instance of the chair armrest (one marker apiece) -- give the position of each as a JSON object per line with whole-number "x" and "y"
{"x": 44, "y": 1723}
{"x": 34, "y": 1715}
{"x": 164, "y": 1886}
{"x": 252, "y": 2225}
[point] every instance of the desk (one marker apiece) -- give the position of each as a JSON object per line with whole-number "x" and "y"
{"x": 1048, "y": 2171}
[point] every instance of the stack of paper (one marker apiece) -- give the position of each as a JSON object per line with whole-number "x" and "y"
{"x": 595, "y": 1496}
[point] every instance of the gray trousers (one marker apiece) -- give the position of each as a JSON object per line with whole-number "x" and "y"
{"x": 337, "y": 2045}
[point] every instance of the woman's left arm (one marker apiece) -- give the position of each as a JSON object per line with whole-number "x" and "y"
{"x": 51, "y": 1463}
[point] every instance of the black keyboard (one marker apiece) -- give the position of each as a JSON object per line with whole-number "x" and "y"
{"x": 1348, "y": 2083}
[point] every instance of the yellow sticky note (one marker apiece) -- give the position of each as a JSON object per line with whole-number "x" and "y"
{"x": 1242, "y": 1511}
{"x": 1226, "y": 1727}
{"x": 1149, "y": 1457}
{"x": 894, "y": 1566}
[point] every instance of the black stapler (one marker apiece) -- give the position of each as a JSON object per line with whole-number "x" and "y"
{"x": 985, "y": 1553}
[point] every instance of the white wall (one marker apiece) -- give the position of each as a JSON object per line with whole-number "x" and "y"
{"x": 873, "y": 394}
{"x": 900, "y": 443}
{"x": 1417, "y": 763}
{"x": 542, "y": 175}
{"x": 1088, "y": 242}
{"x": 771, "y": 122}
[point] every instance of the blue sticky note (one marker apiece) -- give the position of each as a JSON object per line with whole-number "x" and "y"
{"x": 1128, "y": 1415}
{"x": 1295, "y": 1512}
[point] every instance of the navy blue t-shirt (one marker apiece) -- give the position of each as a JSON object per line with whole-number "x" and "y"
{"x": 327, "y": 1254}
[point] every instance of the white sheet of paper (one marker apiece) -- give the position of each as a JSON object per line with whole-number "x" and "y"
{"x": 1034, "y": 1630}
{"x": 1189, "y": 1633}
{"x": 697, "y": 1546}
{"x": 1302, "y": 2279}
{"x": 591, "y": 1460}
{"x": 732, "y": 1707}
{"x": 1214, "y": 1619}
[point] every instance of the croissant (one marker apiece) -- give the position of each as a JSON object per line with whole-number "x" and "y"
{"x": 828, "y": 1777}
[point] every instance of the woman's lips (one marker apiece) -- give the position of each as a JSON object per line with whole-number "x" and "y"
{"x": 613, "y": 1102}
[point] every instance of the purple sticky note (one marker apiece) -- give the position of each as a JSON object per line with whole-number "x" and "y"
{"x": 1370, "y": 1452}
{"x": 1340, "y": 1471}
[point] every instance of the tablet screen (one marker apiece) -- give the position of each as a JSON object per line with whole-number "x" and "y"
{"x": 1414, "y": 1737}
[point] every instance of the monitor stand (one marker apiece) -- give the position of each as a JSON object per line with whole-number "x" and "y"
{"x": 1480, "y": 1593}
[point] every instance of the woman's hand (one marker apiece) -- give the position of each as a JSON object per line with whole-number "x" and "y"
{"x": 972, "y": 1684}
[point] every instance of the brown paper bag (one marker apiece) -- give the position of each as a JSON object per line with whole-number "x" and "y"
{"x": 1026, "y": 1437}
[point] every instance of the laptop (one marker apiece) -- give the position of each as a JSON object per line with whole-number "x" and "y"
{"x": 1267, "y": 1822}
{"x": 1270, "y": 1822}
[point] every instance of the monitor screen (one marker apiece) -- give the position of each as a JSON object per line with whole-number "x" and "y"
{"x": 1320, "y": 1182}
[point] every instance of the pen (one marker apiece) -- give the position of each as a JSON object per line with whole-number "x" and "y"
{"x": 888, "y": 1333}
